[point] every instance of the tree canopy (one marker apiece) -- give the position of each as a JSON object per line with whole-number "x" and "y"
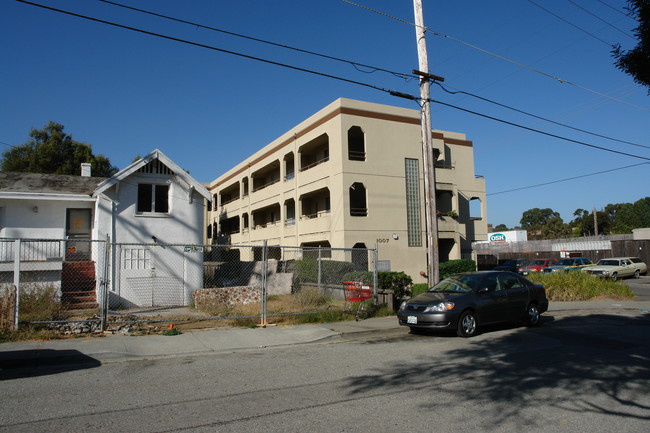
{"x": 636, "y": 62}
{"x": 619, "y": 218}
{"x": 50, "y": 150}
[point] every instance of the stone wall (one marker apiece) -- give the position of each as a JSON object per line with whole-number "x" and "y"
{"x": 227, "y": 296}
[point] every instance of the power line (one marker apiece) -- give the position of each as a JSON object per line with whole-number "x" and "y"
{"x": 538, "y": 117}
{"x": 374, "y": 68}
{"x": 391, "y": 92}
{"x": 521, "y": 65}
{"x": 209, "y": 47}
{"x": 582, "y": 143}
{"x": 600, "y": 19}
{"x": 571, "y": 24}
{"x": 7, "y": 144}
{"x": 615, "y": 9}
{"x": 275, "y": 44}
{"x": 567, "y": 179}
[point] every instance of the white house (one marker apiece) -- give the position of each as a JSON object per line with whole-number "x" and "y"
{"x": 151, "y": 211}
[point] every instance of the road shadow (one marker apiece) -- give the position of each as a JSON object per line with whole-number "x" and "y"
{"x": 41, "y": 362}
{"x": 572, "y": 357}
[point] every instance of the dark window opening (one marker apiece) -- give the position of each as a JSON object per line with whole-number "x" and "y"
{"x": 356, "y": 144}
{"x": 358, "y": 204}
{"x": 152, "y": 198}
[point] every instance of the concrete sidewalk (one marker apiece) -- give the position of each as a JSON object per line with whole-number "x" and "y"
{"x": 116, "y": 348}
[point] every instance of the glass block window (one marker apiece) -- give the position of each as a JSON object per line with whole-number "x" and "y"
{"x": 137, "y": 258}
{"x": 413, "y": 226}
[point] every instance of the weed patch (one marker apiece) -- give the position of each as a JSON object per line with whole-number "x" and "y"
{"x": 579, "y": 286}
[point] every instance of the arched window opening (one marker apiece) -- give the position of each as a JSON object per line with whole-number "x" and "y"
{"x": 356, "y": 144}
{"x": 358, "y": 202}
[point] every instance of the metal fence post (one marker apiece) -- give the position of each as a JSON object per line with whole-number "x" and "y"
{"x": 104, "y": 285}
{"x": 17, "y": 247}
{"x": 265, "y": 269}
{"x": 320, "y": 268}
{"x": 375, "y": 276}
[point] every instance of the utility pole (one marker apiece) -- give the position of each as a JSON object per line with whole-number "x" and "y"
{"x": 427, "y": 150}
{"x": 595, "y": 223}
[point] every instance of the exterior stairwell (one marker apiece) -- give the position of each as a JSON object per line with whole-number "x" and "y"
{"x": 78, "y": 285}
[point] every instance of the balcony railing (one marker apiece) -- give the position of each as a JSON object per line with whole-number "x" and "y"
{"x": 356, "y": 155}
{"x": 315, "y": 215}
{"x": 314, "y": 164}
{"x": 229, "y": 200}
{"x": 266, "y": 224}
{"x": 257, "y": 188}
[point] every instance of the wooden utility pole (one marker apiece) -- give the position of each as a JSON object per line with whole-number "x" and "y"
{"x": 427, "y": 150}
{"x": 595, "y": 223}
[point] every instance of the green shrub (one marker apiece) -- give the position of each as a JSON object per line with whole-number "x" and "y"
{"x": 455, "y": 266}
{"x": 419, "y": 288}
{"x": 332, "y": 272}
{"x": 365, "y": 277}
{"x": 579, "y": 286}
{"x": 398, "y": 282}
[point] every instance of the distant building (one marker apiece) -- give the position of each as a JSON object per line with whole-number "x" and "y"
{"x": 350, "y": 176}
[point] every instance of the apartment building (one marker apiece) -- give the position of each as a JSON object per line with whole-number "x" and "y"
{"x": 351, "y": 176}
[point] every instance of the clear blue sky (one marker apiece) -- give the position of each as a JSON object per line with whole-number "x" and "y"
{"x": 126, "y": 93}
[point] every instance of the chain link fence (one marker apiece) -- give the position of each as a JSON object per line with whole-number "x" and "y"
{"x": 47, "y": 281}
{"x": 101, "y": 284}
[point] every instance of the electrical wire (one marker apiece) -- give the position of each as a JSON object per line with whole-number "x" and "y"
{"x": 391, "y": 92}
{"x": 615, "y": 9}
{"x": 537, "y": 117}
{"x": 7, "y": 144}
{"x": 567, "y": 179}
{"x": 582, "y": 143}
{"x": 467, "y": 44}
{"x": 209, "y": 47}
{"x": 571, "y": 24}
{"x": 357, "y": 65}
{"x": 374, "y": 68}
{"x": 600, "y": 19}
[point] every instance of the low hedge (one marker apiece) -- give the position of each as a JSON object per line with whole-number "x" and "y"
{"x": 452, "y": 267}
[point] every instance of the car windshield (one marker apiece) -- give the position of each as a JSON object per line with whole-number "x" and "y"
{"x": 536, "y": 263}
{"x": 510, "y": 263}
{"x": 456, "y": 284}
{"x": 608, "y": 263}
{"x": 565, "y": 262}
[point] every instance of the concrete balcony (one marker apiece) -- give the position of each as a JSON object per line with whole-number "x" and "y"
{"x": 266, "y": 231}
{"x": 448, "y": 224}
{"x": 316, "y": 223}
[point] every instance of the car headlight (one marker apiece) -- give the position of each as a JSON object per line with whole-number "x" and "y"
{"x": 439, "y": 308}
{"x": 403, "y": 305}
{"x": 605, "y": 272}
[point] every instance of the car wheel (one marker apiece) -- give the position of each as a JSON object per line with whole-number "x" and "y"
{"x": 532, "y": 315}
{"x": 467, "y": 325}
{"x": 637, "y": 274}
{"x": 614, "y": 276}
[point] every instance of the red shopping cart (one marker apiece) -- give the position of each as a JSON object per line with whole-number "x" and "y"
{"x": 356, "y": 295}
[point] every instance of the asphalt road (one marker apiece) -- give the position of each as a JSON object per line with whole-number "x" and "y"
{"x": 588, "y": 373}
{"x": 641, "y": 287}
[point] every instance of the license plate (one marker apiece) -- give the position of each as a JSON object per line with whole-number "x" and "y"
{"x": 412, "y": 319}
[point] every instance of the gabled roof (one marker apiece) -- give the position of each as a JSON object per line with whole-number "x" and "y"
{"x": 39, "y": 183}
{"x": 137, "y": 165}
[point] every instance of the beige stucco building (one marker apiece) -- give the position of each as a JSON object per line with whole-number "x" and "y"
{"x": 351, "y": 176}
